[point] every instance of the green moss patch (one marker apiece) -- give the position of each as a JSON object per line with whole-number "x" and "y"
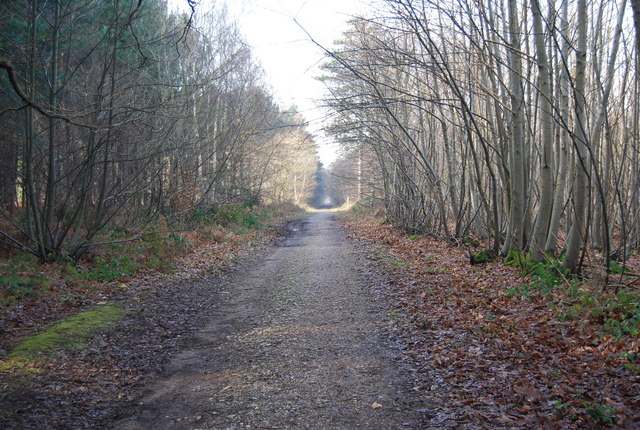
{"x": 70, "y": 333}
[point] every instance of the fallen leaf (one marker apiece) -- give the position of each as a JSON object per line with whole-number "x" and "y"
{"x": 530, "y": 392}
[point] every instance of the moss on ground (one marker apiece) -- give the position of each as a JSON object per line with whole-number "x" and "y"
{"x": 70, "y": 333}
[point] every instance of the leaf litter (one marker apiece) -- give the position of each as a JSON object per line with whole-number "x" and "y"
{"x": 490, "y": 359}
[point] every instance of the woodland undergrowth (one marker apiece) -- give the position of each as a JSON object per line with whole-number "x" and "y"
{"x": 33, "y": 295}
{"x": 507, "y": 347}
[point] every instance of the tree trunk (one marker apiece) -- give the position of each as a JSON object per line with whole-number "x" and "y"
{"x": 562, "y": 158}
{"x": 50, "y": 197}
{"x": 578, "y": 232}
{"x": 545, "y": 205}
{"x": 601, "y": 232}
{"x": 35, "y": 227}
{"x": 517, "y": 168}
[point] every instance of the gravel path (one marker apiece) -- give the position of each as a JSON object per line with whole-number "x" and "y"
{"x": 298, "y": 340}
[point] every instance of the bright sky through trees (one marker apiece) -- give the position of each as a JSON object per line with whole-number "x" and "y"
{"x": 291, "y": 61}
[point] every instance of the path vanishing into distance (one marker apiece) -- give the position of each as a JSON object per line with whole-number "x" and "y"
{"x": 299, "y": 339}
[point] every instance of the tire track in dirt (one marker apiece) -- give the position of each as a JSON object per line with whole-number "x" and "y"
{"x": 298, "y": 341}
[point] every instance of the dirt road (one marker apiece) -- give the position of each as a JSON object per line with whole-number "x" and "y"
{"x": 299, "y": 340}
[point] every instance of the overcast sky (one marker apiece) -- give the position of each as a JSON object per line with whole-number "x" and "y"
{"x": 289, "y": 58}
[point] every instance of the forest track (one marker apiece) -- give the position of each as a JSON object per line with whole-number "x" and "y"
{"x": 299, "y": 339}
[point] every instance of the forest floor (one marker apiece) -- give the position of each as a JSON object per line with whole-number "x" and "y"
{"x": 507, "y": 351}
{"x": 297, "y": 336}
{"x": 383, "y": 331}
